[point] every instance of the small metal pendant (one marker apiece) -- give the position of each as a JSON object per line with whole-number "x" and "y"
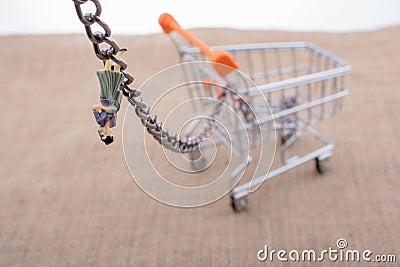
{"x": 105, "y": 114}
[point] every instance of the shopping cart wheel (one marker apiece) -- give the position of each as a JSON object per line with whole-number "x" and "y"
{"x": 239, "y": 204}
{"x": 321, "y": 165}
{"x": 285, "y": 138}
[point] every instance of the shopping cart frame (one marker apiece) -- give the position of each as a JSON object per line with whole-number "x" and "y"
{"x": 336, "y": 72}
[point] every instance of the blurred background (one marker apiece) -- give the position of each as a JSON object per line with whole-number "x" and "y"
{"x": 138, "y": 17}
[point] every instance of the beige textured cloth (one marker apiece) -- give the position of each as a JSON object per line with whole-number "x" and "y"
{"x": 68, "y": 200}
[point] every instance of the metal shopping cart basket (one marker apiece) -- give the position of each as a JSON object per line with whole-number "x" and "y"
{"x": 302, "y": 84}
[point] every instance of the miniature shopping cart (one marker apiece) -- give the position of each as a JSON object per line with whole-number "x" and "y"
{"x": 302, "y": 84}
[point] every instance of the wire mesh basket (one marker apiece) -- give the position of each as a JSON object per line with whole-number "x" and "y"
{"x": 302, "y": 84}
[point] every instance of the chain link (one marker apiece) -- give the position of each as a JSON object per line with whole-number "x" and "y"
{"x": 173, "y": 142}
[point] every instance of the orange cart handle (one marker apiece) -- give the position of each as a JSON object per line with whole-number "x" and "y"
{"x": 169, "y": 24}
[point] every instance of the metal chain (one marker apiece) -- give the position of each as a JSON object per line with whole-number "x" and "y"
{"x": 173, "y": 142}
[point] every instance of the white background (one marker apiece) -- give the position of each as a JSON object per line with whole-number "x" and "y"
{"x": 141, "y": 17}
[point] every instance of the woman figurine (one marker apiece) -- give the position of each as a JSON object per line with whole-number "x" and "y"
{"x": 110, "y": 99}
